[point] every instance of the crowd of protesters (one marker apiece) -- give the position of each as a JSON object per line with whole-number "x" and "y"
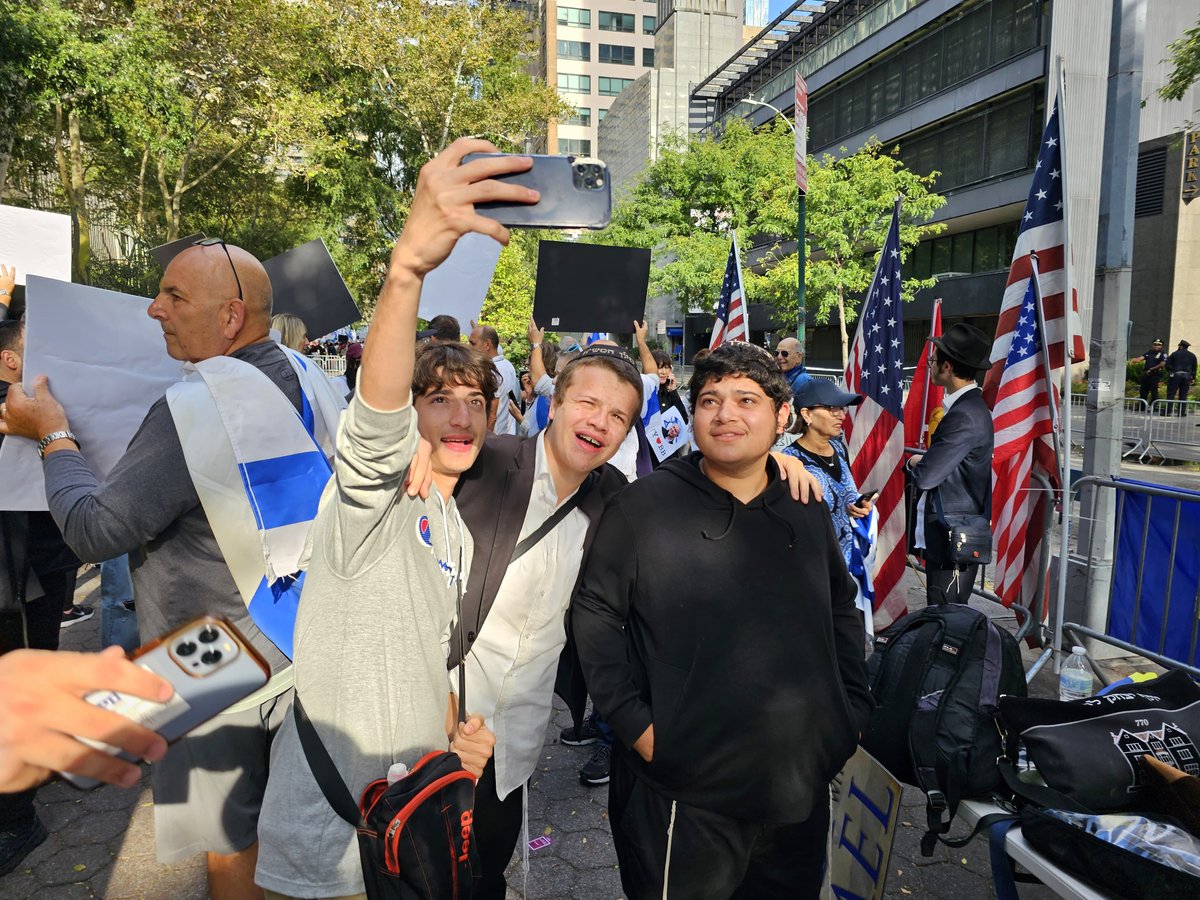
{"x": 487, "y": 536}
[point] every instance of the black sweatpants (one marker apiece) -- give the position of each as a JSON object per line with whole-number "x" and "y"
{"x": 949, "y": 585}
{"x": 711, "y": 856}
{"x": 38, "y": 631}
{"x": 496, "y": 828}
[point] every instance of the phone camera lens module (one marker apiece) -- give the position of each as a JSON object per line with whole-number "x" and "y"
{"x": 211, "y": 657}
{"x": 186, "y": 648}
{"x": 208, "y": 635}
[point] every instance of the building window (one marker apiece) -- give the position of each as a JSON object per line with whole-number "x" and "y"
{"x": 991, "y": 144}
{"x": 575, "y": 50}
{"x": 574, "y": 84}
{"x": 648, "y": 57}
{"x": 611, "y": 21}
{"x": 575, "y": 146}
{"x": 649, "y": 23}
{"x": 601, "y": 114}
{"x": 579, "y": 18}
{"x": 983, "y": 250}
{"x": 582, "y": 117}
{"x": 610, "y": 87}
{"x": 988, "y": 35}
{"x": 616, "y": 54}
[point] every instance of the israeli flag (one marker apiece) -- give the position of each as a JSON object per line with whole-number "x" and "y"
{"x": 592, "y": 336}
{"x": 259, "y": 468}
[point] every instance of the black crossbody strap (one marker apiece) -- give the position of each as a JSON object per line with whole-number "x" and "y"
{"x": 328, "y": 779}
{"x": 546, "y": 527}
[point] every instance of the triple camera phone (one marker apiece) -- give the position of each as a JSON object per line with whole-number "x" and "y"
{"x": 210, "y": 665}
{"x": 575, "y": 193}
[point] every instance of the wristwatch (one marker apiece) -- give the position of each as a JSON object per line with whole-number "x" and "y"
{"x": 535, "y": 346}
{"x": 51, "y": 438}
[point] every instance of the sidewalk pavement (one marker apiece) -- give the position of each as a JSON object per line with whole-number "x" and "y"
{"x": 102, "y": 842}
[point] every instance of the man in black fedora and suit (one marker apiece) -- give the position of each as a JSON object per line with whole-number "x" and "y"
{"x": 956, "y": 472}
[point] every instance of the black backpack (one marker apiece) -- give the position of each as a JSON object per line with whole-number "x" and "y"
{"x": 414, "y": 836}
{"x": 936, "y": 676}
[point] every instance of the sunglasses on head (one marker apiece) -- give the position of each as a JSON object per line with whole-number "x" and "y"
{"x": 212, "y": 242}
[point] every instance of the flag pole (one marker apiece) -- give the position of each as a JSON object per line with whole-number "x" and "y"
{"x": 923, "y": 436}
{"x": 1068, "y": 343}
{"x": 1055, "y": 417}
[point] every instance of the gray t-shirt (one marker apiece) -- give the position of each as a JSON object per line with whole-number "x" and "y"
{"x": 149, "y": 508}
{"x": 371, "y": 642}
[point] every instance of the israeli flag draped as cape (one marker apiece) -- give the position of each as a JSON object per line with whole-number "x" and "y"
{"x": 259, "y": 468}
{"x": 862, "y": 563}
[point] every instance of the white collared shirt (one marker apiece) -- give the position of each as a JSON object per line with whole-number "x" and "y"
{"x": 514, "y": 660}
{"x": 505, "y": 423}
{"x": 948, "y": 400}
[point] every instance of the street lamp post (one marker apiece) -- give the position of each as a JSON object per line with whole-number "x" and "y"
{"x": 800, "y": 248}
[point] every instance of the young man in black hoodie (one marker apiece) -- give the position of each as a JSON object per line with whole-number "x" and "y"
{"x": 725, "y": 652}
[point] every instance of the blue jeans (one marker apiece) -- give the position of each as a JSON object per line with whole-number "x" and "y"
{"x": 118, "y": 623}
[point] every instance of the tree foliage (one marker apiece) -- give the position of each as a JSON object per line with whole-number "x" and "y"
{"x": 850, "y": 200}
{"x": 1185, "y": 60}
{"x": 685, "y": 206}
{"x": 269, "y": 122}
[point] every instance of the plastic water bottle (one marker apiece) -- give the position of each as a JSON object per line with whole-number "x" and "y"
{"x": 1075, "y": 677}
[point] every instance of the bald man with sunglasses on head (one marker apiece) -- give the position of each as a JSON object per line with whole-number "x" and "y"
{"x": 214, "y": 302}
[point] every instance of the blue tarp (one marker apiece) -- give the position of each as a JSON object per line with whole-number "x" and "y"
{"x": 1175, "y": 639}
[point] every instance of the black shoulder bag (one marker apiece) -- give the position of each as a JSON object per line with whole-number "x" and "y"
{"x": 970, "y": 533}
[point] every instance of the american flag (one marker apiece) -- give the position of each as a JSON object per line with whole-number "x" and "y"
{"x": 924, "y": 397}
{"x": 1042, "y": 231}
{"x": 731, "y": 324}
{"x": 1023, "y": 420}
{"x": 875, "y": 429}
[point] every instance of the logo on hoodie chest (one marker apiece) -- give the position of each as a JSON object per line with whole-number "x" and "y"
{"x": 425, "y": 536}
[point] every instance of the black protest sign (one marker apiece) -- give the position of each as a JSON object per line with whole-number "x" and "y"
{"x": 164, "y": 253}
{"x": 589, "y": 287}
{"x": 306, "y": 283}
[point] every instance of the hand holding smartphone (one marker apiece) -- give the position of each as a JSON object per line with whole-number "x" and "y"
{"x": 866, "y": 497}
{"x": 210, "y": 665}
{"x": 575, "y": 193}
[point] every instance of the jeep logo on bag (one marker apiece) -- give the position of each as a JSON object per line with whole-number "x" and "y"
{"x": 466, "y": 820}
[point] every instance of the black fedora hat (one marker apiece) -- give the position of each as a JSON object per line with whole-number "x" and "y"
{"x": 965, "y": 344}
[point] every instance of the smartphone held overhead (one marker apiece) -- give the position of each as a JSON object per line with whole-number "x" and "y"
{"x": 574, "y": 193}
{"x": 210, "y": 665}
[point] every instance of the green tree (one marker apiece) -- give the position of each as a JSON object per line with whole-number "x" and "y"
{"x": 1185, "y": 59}
{"x": 849, "y": 210}
{"x": 687, "y": 203}
{"x": 509, "y": 302}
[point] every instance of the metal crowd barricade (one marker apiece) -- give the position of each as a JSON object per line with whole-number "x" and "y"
{"x": 1172, "y": 423}
{"x": 1134, "y": 428}
{"x": 1157, "y": 653}
{"x": 331, "y": 364}
{"x": 1029, "y": 617}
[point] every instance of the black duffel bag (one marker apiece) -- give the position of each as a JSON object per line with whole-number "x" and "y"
{"x": 1091, "y": 749}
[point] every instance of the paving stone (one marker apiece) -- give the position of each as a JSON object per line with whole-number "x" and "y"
{"x": 98, "y": 828}
{"x": 599, "y": 884}
{"x": 588, "y": 849}
{"x": 73, "y": 864}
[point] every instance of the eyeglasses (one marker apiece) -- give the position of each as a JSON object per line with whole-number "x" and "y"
{"x": 212, "y": 242}
{"x": 833, "y": 410}
{"x": 783, "y": 352}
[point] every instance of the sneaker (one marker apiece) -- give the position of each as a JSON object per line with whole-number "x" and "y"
{"x": 16, "y": 845}
{"x": 586, "y": 734}
{"x": 75, "y": 615}
{"x": 595, "y": 770}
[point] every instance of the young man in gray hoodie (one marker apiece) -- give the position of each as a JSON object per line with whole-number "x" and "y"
{"x": 372, "y": 634}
